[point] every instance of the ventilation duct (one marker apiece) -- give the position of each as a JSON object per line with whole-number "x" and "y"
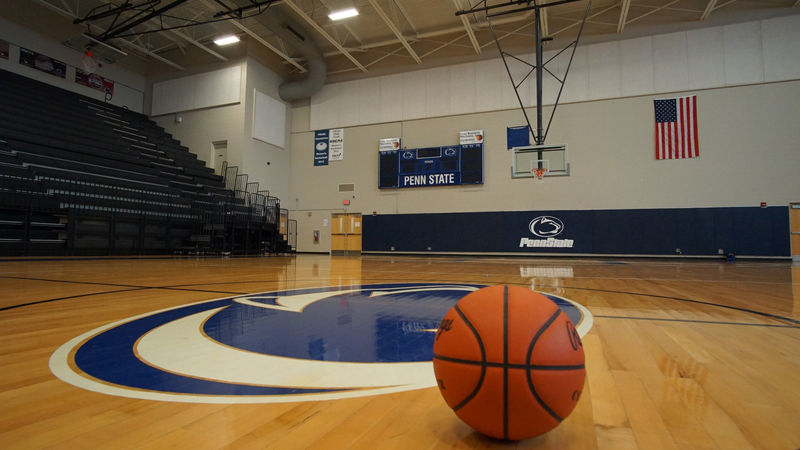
{"x": 299, "y": 38}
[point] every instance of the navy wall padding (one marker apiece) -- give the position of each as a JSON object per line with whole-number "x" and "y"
{"x": 749, "y": 231}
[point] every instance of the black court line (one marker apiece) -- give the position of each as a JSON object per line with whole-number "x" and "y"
{"x": 94, "y": 283}
{"x": 483, "y": 282}
{"x": 126, "y": 258}
{"x": 712, "y": 322}
{"x": 688, "y": 300}
{"x": 69, "y": 297}
{"x": 128, "y": 288}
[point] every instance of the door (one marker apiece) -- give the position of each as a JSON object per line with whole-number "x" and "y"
{"x": 794, "y": 226}
{"x": 220, "y": 149}
{"x": 345, "y": 234}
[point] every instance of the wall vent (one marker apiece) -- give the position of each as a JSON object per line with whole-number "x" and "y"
{"x": 348, "y": 187}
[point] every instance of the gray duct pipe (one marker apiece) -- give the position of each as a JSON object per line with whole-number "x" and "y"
{"x": 300, "y": 39}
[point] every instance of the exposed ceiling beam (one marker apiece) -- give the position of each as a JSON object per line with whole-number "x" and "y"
{"x": 623, "y": 15}
{"x": 396, "y": 32}
{"x": 258, "y": 38}
{"x": 468, "y": 27}
{"x": 198, "y": 45}
{"x": 506, "y": 34}
{"x": 324, "y": 34}
{"x": 450, "y": 42}
{"x": 724, "y": 4}
{"x": 344, "y": 25}
{"x": 709, "y": 8}
{"x": 129, "y": 25}
{"x": 408, "y": 18}
{"x": 66, "y": 7}
{"x": 125, "y": 42}
{"x": 602, "y": 11}
{"x": 653, "y": 11}
{"x": 263, "y": 42}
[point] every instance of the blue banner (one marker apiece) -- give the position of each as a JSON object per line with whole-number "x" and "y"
{"x": 517, "y": 137}
{"x": 321, "y": 144}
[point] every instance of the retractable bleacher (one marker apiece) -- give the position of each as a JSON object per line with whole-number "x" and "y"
{"x": 82, "y": 177}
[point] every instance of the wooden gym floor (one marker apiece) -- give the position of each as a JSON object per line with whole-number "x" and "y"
{"x": 681, "y": 354}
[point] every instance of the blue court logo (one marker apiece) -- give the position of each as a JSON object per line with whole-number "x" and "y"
{"x": 283, "y": 346}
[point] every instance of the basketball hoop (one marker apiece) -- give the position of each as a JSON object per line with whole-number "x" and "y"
{"x": 89, "y": 62}
{"x": 538, "y": 173}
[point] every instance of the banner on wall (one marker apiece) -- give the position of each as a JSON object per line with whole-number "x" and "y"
{"x": 517, "y": 137}
{"x": 676, "y": 128}
{"x": 94, "y": 81}
{"x": 389, "y": 144}
{"x": 321, "y": 143}
{"x": 3, "y": 49}
{"x": 470, "y": 137}
{"x": 42, "y": 62}
{"x": 336, "y": 144}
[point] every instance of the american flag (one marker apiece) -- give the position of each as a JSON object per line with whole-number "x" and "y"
{"x": 676, "y": 128}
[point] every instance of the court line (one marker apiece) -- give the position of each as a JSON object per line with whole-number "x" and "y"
{"x": 735, "y": 308}
{"x": 697, "y": 321}
{"x": 171, "y": 288}
{"x": 69, "y": 297}
{"x": 688, "y": 300}
{"x": 129, "y": 288}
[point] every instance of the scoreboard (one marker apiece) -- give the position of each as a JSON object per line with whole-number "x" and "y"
{"x": 431, "y": 166}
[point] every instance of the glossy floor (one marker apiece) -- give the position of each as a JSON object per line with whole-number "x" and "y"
{"x": 105, "y": 353}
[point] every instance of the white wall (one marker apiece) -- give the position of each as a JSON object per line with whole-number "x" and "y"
{"x": 128, "y": 86}
{"x": 739, "y": 54}
{"x": 198, "y": 91}
{"x": 749, "y": 152}
{"x": 264, "y": 163}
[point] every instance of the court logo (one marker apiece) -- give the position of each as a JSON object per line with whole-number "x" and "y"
{"x": 282, "y": 346}
{"x": 546, "y": 227}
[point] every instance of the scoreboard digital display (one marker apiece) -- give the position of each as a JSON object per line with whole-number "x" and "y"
{"x": 431, "y": 166}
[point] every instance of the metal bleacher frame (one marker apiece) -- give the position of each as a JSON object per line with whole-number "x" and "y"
{"x": 79, "y": 176}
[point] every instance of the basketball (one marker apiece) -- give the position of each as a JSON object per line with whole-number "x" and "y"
{"x": 509, "y": 362}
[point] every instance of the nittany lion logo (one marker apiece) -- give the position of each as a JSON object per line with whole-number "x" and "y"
{"x": 546, "y": 226}
{"x": 284, "y": 346}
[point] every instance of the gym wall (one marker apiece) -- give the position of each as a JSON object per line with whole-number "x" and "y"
{"x": 198, "y": 128}
{"x": 748, "y": 142}
{"x": 128, "y": 86}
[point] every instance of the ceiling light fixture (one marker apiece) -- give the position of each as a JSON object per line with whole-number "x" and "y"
{"x": 343, "y": 14}
{"x": 226, "y": 40}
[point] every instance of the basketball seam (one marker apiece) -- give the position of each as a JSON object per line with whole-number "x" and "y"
{"x": 472, "y": 362}
{"x": 483, "y": 359}
{"x": 528, "y": 362}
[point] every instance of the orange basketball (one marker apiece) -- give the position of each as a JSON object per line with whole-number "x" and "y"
{"x": 509, "y": 362}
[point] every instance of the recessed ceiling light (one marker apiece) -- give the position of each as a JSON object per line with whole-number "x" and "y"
{"x": 226, "y": 40}
{"x": 343, "y": 14}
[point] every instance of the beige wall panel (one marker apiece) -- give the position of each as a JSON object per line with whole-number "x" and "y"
{"x": 747, "y": 155}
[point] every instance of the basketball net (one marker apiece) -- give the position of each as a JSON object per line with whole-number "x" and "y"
{"x": 89, "y": 63}
{"x": 538, "y": 173}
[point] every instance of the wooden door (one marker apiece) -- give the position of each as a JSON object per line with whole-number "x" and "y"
{"x": 345, "y": 234}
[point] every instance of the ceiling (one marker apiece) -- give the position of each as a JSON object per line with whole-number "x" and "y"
{"x": 387, "y": 36}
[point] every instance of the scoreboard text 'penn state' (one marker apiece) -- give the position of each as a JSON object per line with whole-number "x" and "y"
{"x": 431, "y": 166}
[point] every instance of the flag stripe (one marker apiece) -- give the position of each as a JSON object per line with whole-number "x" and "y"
{"x": 676, "y": 128}
{"x": 694, "y": 126}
